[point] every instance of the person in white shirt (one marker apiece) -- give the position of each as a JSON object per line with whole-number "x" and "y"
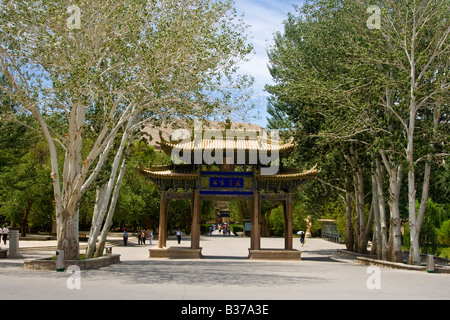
{"x": 5, "y": 232}
{"x": 150, "y": 236}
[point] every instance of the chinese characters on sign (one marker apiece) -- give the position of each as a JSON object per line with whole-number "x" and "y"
{"x": 220, "y": 182}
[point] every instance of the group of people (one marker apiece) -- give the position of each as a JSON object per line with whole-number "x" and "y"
{"x": 225, "y": 228}
{"x": 4, "y": 234}
{"x": 142, "y": 235}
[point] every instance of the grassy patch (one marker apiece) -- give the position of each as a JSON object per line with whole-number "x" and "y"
{"x": 82, "y": 256}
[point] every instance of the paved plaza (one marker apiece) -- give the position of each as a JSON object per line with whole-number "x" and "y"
{"x": 224, "y": 273}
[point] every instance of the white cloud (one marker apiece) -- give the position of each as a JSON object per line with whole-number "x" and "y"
{"x": 265, "y": 18}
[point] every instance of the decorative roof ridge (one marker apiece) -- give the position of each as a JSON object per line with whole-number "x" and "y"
{"x": 261, "y": 142}
{"x": 289, "y": 175}
{"x": 169, "y": 174}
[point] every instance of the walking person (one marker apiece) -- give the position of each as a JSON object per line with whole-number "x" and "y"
{"x": 179, "y": 234}
{"x": 139, "y": 235}
{"x": 125, "y": 237}
{"x": 5, "y": 232}
{"x": 150, "y": 236}
{"x": 302, "y": 238}
{"x": 143, "y": 237}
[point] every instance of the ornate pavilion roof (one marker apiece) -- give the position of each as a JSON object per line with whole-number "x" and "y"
{"x": 171, "y": 172}
{"x": 234, "y": 178}
{"x": 186, "y": 177}
{"x": 238, "y": 145}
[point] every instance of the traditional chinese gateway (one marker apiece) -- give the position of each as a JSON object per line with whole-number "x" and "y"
{"x": 227, "y": 180}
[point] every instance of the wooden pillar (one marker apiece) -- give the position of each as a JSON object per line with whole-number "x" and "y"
{"x": 195, "y": 228}
{"x": 255, "y": 233}
{"x": 287, "y": 205}
{"x": 163, "y": 213}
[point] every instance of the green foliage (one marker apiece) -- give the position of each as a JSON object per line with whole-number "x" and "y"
{"x": 320, "y": 94}
{"x": 435, "y": 215}
{"x": 434, "y": 232}
{"x": 440, "y": 188}
{"x": 26, "y": 197}
{"x": 236, "y": 228}
{"x": 277, "y": 221}
{"x": 139, "y": 200}
{"x": 299, "y": 220}
{"x": 239, "y": 210}
{"x": 444, "y": 233}
{"x": 343, "y": 92}
{"x": 153, "y": 60}
{"x": 208, "y": 210}
{"x": 335, "y": 210}
{"x": 180, "y": 216}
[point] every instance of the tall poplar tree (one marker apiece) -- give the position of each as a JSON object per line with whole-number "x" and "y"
{"x": 106, "y": 66}
{"x": 368, "y": 81}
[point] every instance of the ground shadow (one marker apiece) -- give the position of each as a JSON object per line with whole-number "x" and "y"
{"x": 321, "y": 255}
{"x": 223, "y": 257}
{"x": 205, "y": 272}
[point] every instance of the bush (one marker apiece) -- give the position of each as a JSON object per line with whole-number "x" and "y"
{"x": 236, "y": 228}
{"x": 277, "y": 222}
{"x": 435, "y": 231}
{"x": 444, "y": 233}
{"x": 204, "y": 228}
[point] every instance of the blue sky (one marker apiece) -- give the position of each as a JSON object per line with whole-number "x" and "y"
{"x": 265, "y": 18}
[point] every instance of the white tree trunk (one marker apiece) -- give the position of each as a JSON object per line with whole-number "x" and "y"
{"x": 112, "y": 206}
{"x": 414, "y": 254}
{"x": 377, "y": 239}
{"x": 349, "y": 243}
{"x": 67, "y": 234}
{"x": 394, "y": 196}
{"x": 359, "y": 205}
{"x": 395, "y": 180}
{"x": 415, "y": 222}
{"x": 96, "y": 221}
{"x": 358, "y": 185}
{"x": 103, "y": 201}
{"x": 385, "y": 246}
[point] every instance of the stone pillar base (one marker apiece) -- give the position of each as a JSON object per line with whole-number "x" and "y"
{"x": 13, "y": 251}
{"x": 275, "y": 254}
{"x": 175, "y": 253}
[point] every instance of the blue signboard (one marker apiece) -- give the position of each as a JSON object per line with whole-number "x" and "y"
{"x": 225, "y": 182}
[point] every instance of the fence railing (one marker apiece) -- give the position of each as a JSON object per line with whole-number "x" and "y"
{"x": 332, "y": 237}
